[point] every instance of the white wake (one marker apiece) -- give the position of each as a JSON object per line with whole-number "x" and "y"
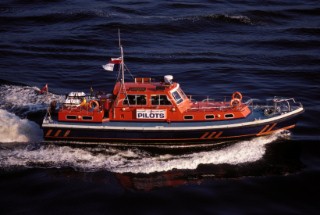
{"x": 13, "y": 129}
{"x": 25, "y": 99}
{"x": 130, "y": 160}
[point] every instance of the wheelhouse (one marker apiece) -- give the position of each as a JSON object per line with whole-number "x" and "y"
{"x": 146, "y": 100}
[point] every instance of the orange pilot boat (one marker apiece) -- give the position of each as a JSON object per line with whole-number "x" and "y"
{"x": 150, "y": 111}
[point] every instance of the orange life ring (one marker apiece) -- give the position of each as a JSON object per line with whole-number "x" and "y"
{"x": 235, "y": 102}
{"x": 237, "y": 95}
{"x": 93, "y": 104}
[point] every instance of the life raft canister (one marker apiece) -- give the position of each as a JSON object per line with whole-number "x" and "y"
{"x": 93, "y": 104}
{"x": 236, "y": 99}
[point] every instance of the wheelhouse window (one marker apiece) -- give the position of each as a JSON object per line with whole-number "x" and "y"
{"x": 178, "y": 95}
{"x": 160, "y": 100}
{"x": 135, "y": 100}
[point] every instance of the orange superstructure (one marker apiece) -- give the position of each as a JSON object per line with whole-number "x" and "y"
{"x": 137, "y": 100}
{"x": 146, "y": 100}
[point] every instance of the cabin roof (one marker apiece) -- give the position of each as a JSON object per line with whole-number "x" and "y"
{"x": 144, "y": 87}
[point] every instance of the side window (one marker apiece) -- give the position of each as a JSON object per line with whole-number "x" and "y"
{"x": 164, "y": 100}
{"x": 160, "y": 100}
{"x": 141, "y": 100}
{"x": 135, "y": 100}
{"x": 155, "y": 100}
{"x": 129, "y": 100}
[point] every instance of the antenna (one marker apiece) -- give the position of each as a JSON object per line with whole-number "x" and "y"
{"x": 119, "y": 38}
{"x": 122, "y": 61}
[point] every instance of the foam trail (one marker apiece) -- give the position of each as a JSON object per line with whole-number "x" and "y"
{"x": 241, "y": 152}
{"x": 134, "y": 161}
{"x": 25, "y": 99}
{"x": 63, "y": 156}
{"x": 13, "y": 129}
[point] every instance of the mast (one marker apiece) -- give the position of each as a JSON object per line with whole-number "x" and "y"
{"x": 122, "y": 85}
{"x": 122, "y": 59}
{"x": 122, "y": 66}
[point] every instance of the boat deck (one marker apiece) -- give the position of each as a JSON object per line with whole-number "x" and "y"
{"x": 256, "y": 115}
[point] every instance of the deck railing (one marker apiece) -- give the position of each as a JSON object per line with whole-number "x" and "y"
{"x": 205, "y": 103}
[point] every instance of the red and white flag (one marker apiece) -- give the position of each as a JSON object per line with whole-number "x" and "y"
{"x": 111, "y": 65}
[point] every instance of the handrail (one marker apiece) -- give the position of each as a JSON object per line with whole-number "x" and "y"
{"x": 208, "y": 103}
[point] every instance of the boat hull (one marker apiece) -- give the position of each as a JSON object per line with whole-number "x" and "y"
{"x": 165, "y": 133}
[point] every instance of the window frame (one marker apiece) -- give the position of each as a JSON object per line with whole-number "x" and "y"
{"x": 136, "y": 98}
{"x": 178, "y": 99}
{"x": 159, "y": 100}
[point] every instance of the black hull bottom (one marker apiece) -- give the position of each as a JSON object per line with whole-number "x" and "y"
{"x": 165, "y": 138}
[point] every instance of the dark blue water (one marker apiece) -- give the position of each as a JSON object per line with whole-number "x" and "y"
{"x": 260, "y": 48}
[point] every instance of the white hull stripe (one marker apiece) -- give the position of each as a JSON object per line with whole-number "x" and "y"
{"x": 162, "y": 128}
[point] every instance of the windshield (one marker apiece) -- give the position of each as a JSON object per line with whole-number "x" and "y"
{"x": 177, "y": 97}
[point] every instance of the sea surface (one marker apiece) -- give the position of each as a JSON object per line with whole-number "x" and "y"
{"x": 211, "y": 47}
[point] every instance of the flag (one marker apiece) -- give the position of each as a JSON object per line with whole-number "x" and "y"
{"x": 112, "y": 65}
{"x": 108, "y": 67}
{"x": 116, "y": 60}
{"x": 44, "y": 89}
